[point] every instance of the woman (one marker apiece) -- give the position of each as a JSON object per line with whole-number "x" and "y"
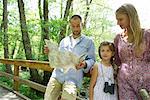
{"x": 133, "y": 54}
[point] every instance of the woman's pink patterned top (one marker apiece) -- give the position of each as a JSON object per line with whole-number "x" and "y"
{"x": 134, "y": 72}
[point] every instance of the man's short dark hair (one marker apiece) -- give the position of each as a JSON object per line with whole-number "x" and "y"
{"x": 76, "y": 16}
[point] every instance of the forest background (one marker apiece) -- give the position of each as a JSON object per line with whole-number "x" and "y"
{"x": 24, "y": 24}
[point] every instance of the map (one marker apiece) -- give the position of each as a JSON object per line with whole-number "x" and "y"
{"x": 61, "y": 59}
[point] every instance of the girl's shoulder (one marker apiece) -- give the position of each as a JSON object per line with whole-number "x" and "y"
{"x": 97, "y": 64}
{"x": 96, "y": 68}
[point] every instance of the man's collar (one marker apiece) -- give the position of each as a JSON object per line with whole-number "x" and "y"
{"x": 80, "y": 37}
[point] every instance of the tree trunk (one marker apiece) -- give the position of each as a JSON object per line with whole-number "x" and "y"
{"x": 65, "y": 18}
{"x": 44, "y": 26}
{"x": 61, "y": 8}
{"x": 4, "y": 30}
{"x": 42, "y": 30}
{"x": 87, "y": 12}
{"x": 45, "y": 15}
{"x": 26, "y": 40}
{"x": 44, "y": 35}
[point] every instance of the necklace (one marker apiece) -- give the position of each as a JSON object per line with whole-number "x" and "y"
{"x": 107, "y": 74}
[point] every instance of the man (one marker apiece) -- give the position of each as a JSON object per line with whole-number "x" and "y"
{"x": 68, "y": 83}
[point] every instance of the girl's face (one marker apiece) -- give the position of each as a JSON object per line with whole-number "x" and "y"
{"x": 123, "y": 20}
{"x": 106, "y": 53}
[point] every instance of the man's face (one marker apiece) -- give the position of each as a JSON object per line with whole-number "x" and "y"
{"x": 76, "y": 26}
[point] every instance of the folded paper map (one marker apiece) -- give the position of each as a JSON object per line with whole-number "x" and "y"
{"x": 62, "y": 59}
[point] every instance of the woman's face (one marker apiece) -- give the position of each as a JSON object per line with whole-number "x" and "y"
{"x": 123, "y": 20}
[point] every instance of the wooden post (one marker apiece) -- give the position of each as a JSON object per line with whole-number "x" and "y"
{"x": 16, "y": 74}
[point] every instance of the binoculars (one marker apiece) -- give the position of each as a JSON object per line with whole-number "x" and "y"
{"x": 109, "y": 88}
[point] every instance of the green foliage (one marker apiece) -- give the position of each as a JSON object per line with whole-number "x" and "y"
{"x": 24, "y": 75}
{"x": 55, "y": 26}
{"x": 2, "y": 67}
{"x": 32, "y": 94}
{"x": 7, "y": 82}
{"x": 84, "y": 91}
{"x": 3, "y": 80}
{"x": 1, "y": 34}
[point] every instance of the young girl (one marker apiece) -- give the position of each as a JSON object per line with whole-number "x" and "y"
{"x": 103, "y": 81}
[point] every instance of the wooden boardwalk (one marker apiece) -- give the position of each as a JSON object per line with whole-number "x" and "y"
{"x": 5, "y": 94}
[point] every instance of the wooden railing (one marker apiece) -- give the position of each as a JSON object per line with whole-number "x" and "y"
{"x": 42, "y": 65}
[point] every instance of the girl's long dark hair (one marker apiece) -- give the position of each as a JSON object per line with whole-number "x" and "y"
{"x": 112, "y": 48}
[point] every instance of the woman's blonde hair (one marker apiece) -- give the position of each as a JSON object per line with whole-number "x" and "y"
{"x": 135, "y": 26}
